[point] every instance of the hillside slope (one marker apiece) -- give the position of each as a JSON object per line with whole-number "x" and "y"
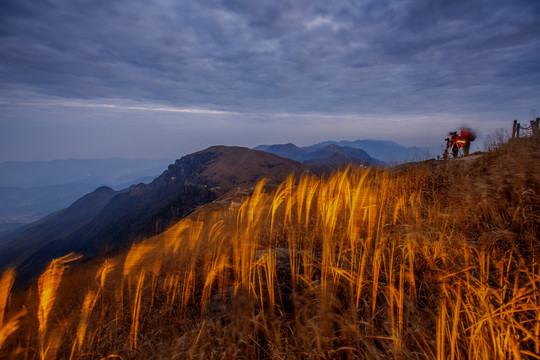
{"x": 107, "y": 224}
{"x": 436, "y": 259}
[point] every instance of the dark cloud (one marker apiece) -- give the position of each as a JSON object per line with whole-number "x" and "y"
{"x": 244, "y": 53}
{"x": 331, "y": 57}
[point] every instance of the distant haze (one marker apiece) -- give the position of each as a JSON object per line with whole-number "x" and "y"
{"x": 31, "y": 190}
{"x": 111, "y": 172}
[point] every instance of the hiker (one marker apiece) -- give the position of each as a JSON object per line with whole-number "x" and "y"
{"x": 465, "y": 137}
{"x": 453, "y": 143}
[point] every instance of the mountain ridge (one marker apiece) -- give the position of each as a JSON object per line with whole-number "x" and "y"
{"x": 119, "y": 217}
{"x": 385, "y": 151}
{"x": 388, "y": 151}
{"x": 331, "y": 155}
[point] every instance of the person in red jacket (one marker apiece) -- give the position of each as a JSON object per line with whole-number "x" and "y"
{"x": 455, "y": 142}
{"x": 464, "y": 139}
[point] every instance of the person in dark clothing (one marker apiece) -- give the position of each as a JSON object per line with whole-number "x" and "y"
{"x": 454, "y": 147}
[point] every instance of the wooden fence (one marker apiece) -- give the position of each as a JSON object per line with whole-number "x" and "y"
{"x": 520, "y": 130}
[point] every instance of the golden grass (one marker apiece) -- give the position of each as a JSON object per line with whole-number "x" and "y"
{"x": 9, "y": 327}
{"x": 360, "y": 264}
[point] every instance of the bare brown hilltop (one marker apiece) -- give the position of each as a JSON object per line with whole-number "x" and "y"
{"x": 238, "y": 166}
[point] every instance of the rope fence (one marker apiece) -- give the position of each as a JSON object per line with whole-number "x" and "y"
{"x": 521, "y": 130}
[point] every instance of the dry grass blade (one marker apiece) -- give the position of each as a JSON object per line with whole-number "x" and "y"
{"x": 6, "y": 282}
{"x": 9, "y": 327}
{"x": 47, "y": 286}
{"x": 88, "y": 305}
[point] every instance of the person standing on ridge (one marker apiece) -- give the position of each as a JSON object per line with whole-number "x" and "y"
{"x": 465, "y": 137}
{"x": 455, "y": 141}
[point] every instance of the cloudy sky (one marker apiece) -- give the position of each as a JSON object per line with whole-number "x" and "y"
{"x": 162, "y": 78}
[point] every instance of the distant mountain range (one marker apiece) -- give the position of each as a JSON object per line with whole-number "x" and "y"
{"x": 329, "y": 154}
{"x": 106, "y": 221}
{"x": 31, "y": 190}
{"x": 374, "y": 152}
{"x": 19, "y": 206}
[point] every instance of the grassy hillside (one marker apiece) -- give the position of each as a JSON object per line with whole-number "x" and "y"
{"x": 438, "y": 261}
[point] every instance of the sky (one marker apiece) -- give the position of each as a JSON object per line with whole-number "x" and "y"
{"x": 163, "y": 78}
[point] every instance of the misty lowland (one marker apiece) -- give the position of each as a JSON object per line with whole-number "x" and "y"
{"x": 241, "y": 253}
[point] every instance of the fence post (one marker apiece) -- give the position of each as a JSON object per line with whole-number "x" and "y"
{"x": 534, "y": 125}
{"x": 514, "y": 128}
